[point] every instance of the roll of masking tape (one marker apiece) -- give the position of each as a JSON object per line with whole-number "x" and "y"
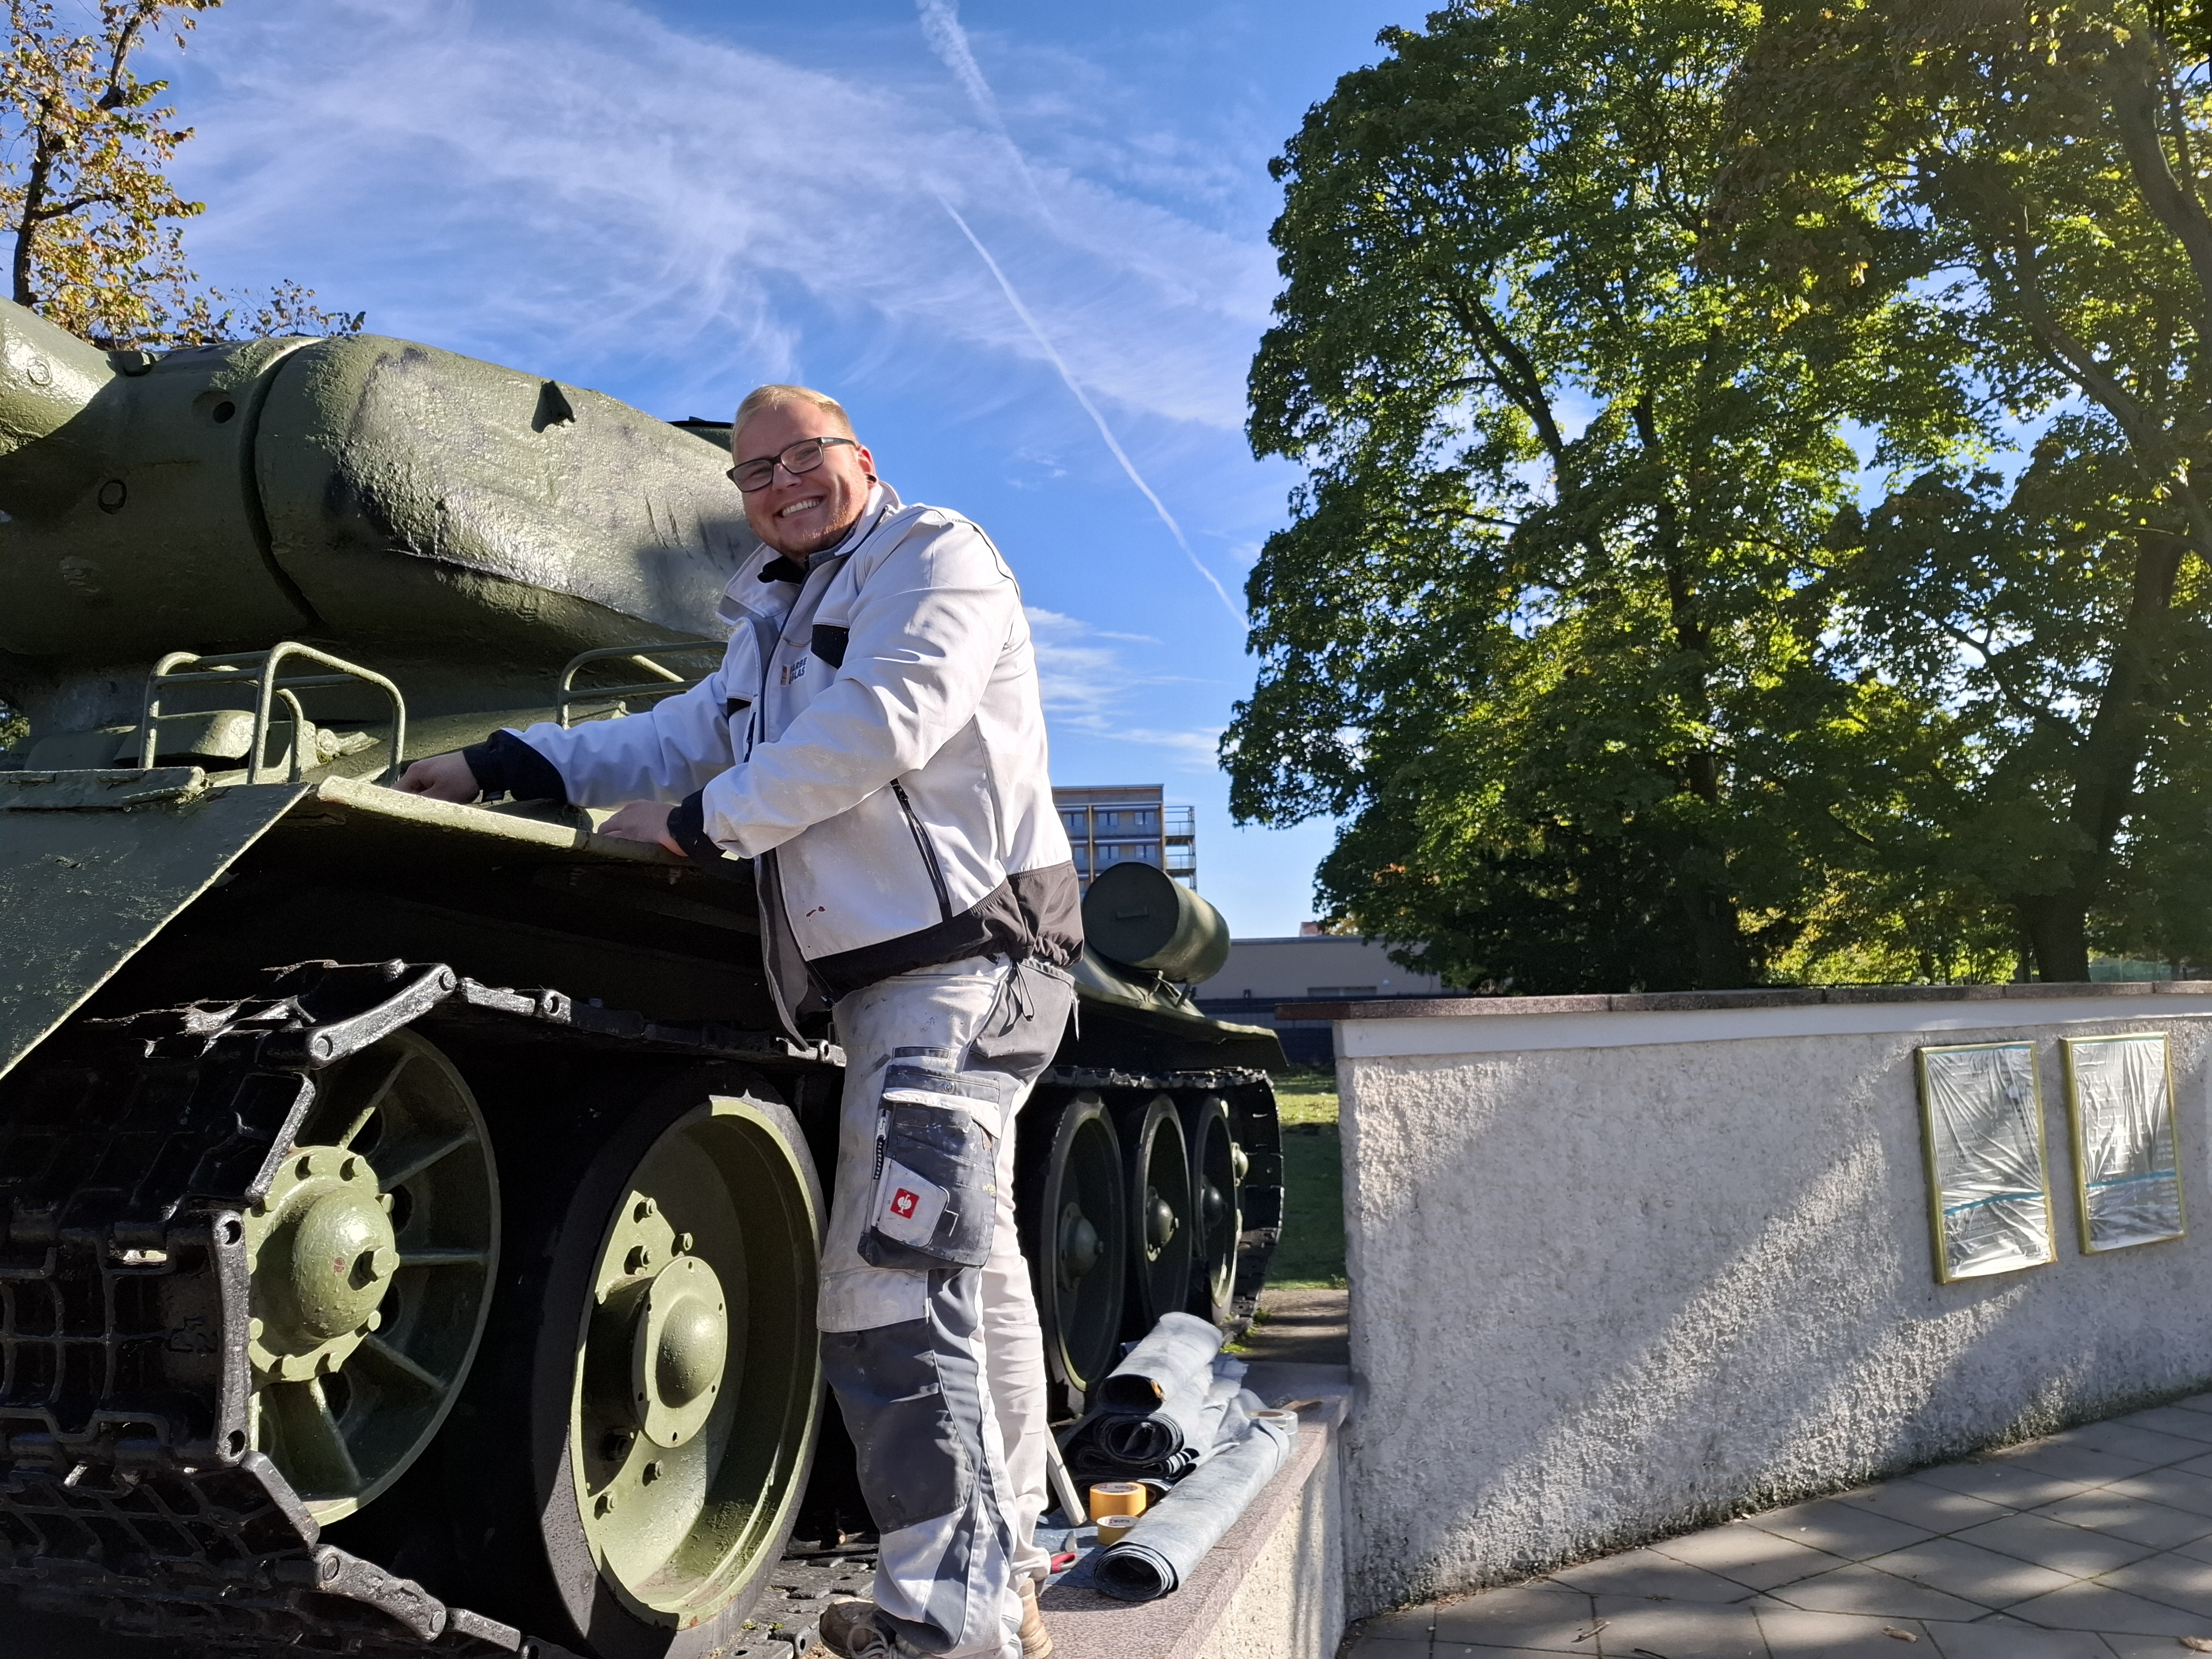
{"x": 1117, "y": 1497}
{"x": 1113, "y": 1529}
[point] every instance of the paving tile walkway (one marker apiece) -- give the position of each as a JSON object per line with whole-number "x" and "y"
{"x": 2092, "y": 1544}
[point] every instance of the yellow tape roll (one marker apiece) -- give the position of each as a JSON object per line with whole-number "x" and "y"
{"x": 1113, "y": 1529}
{"x": 1118, "y": 1497}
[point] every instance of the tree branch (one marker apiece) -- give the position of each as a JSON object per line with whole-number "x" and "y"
{"x": 2152, "y": 446}
{"x": 2035, "y": 713}
{"x": 115, "y": 96}
{"x": 62, "y": 210}
{"x": 2136, "y": 102}
{"x": 1516, "y": 374}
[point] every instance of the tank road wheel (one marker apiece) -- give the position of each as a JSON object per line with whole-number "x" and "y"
{"x": 668, "y": 1371}
{"x": 1216, "y": 1210}
{"x": 371, "y": 1259}
{"x": 1156, "y": 1165}
{"x": 1076, "y": 1237}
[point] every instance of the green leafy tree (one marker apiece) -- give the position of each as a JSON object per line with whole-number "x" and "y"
{"x": 1548, "y": 625}
{"x": 97, "y": 229}
{"x": 2032, "y": 176}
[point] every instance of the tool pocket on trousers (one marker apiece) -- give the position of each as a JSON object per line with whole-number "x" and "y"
{"x": 935, "y": 1202}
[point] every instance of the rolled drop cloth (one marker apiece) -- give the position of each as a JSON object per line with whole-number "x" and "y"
{"x": 1159, "y": 1414}
{"x": 1172, "y": 1537}
{"x": 1180, "y": 1346}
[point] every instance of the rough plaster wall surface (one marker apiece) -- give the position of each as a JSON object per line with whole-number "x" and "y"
{"x": 1605, "y": 1295}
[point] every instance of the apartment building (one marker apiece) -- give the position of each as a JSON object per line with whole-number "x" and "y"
{"x": 1128, "y": 822}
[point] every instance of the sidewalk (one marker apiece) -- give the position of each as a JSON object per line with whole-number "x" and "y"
{"x": 1300, "y": 1326}
{"x": 2093, "y": 1544}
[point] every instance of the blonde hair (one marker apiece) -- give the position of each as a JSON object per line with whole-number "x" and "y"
{"x": 780, "y": 396}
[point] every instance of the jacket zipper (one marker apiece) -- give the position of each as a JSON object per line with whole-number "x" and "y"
{"x": 928, "y": 853}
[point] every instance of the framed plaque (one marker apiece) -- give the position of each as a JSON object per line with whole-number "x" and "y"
{"x": 2127, "y": 1162}
{"x": 1989, "y": 1180}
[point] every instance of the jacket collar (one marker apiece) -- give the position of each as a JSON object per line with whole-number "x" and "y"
{"x": 767, "y": 582}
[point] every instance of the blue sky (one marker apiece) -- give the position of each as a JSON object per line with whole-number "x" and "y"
{"x": 674, "y": 200}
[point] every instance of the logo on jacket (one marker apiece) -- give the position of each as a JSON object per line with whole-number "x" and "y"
{"x": 903, "y": 1203}
{"x": 794, "y": 671}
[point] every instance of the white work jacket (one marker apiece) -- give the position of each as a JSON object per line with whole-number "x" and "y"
{"x": 875, "y": 741}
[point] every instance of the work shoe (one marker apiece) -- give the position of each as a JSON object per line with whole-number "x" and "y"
{"x": 1036, "y": 1640}
{"x": 852, "y": 1629}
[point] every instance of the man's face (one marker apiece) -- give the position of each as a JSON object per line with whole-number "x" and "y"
{"x": 802, "y": 515}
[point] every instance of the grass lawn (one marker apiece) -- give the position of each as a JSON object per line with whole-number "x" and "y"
{"x": 1311, "y": 1254}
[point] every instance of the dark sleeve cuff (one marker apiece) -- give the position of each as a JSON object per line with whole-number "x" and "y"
{"x": 687, "y": 828}
{"x": 503, "y": 764}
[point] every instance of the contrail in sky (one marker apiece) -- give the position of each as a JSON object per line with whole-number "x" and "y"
{"x": 1090, "y": 409}
{"x": 940, "y": 26}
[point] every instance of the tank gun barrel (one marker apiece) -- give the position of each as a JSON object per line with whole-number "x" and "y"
{"x": 48, "y": 377}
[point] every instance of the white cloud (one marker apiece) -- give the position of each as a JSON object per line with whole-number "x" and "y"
{"x": 1075, "y": 677}
{"x": 940, "y": 26}
{"x": 1086, "y": 685}
{"x": 1198, "y": 750}
{"x": 509, "y": 140}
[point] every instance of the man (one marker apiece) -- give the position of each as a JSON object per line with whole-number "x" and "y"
{"x": 875, "y": 743}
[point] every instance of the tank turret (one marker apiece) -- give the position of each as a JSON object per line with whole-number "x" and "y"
{"x": 469, "y": 527}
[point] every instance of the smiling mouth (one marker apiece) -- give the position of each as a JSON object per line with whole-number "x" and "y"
{"x": 806, "y": 506}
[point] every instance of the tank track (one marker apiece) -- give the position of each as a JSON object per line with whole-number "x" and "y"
{"x": 129, "y": 1150}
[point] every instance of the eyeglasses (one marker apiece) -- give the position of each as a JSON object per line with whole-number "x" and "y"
{"x": 802, "y": 457}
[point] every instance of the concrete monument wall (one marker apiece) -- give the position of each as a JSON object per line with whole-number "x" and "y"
{"x": 1623, "y": 1266}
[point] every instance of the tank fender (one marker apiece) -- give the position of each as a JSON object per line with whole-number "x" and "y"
{"x": 93, "y": 865}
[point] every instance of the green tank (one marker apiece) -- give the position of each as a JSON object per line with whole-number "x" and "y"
{"x": 411, "y": 1210}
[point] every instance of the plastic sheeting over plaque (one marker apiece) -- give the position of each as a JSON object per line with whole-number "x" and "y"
{"x": 2127, "y": 1167}
{"x": 1981, "y": 1119}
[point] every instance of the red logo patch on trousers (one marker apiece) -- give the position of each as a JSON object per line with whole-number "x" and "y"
{"x": 903, "y": 1203}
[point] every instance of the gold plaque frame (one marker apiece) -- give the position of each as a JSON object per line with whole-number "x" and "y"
{"x": 1988, "y": 1170}
{"x": 2127, "y": 1145}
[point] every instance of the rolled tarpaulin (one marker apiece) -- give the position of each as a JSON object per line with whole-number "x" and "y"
{"x": 1180, "y": 1346}
{"x": 1166, "y": 1443}
{"x": 1172, "y": 1537}
{"x": 1157, "y": 1415}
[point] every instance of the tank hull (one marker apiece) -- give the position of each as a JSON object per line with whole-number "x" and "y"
{"x": 587, "y": 976}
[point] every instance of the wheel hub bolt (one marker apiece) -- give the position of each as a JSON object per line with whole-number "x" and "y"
{"x": 1159, "y": 1220}
{"x": 1079, "y": 1243}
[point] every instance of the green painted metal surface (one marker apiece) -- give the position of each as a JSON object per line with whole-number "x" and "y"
{"x": 696, "y": 1377}
{"x": 373, "y": 1258}
{"x": 1139, "y": 915}
{"x": 464, "y": 527}
{"x": 93, "y": 865}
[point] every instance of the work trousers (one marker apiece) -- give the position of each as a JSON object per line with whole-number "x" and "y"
{"x": 929, "y": 1327}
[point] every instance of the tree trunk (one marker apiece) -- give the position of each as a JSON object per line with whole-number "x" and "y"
{"x": 2057, "y": 929}
{"x": 36, "y": 182}
{"x": 1722, "y": 954}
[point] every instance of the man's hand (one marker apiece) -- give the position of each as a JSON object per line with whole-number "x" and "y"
{"x": 441, "y": 777}
{"x": 643, "y": 820}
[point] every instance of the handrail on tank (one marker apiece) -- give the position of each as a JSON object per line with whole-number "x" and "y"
{"x": 668, "y": 683}
{"x": 185, "y": 668}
